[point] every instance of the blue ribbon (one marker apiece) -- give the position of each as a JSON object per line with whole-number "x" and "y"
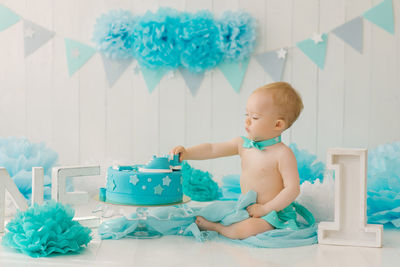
{"x": 260, "y": 144}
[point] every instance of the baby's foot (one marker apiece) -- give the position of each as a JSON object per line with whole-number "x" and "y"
{"x": 203, "y": 224}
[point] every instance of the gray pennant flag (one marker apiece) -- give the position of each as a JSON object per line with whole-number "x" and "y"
{"x": 192, "y": 80}
{"x": 114, "y": 68}
{"x": 352, "y": 33}
{"x": 35, "y": 36}
{"x": 272, "y": 63}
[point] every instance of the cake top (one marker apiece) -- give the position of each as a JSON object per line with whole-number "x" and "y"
{"x": 163, "y": 164}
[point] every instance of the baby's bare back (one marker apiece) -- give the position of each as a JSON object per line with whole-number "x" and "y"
{"x": 260, "y": 172}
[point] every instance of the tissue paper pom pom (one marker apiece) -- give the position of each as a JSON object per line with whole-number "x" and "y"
{"x": 200, "y": 37}
{"x": 46, "y": 229}
{"x": 198, "y": 185}
{"x": 18, "y": 156}
{"x": 237, "y": 35}
{"x": 156, "y": 39}
{"x": 319, "y": 198}
{"x": 309, "y": 169}
{"x": 113, "y": 34}
{"x": 384, "y": 184}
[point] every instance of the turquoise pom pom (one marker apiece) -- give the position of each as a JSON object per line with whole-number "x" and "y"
{"x": 384, "y": 185}
{"x": 197, "y": 184}
{"x": 18, "y": 156}
{"x": 199, "y": 35}
{"x": 46, "y": 229}
{"x": 309, "y": 169}
{"x": 113, "y": 34}
{"x": 237, "y": 35}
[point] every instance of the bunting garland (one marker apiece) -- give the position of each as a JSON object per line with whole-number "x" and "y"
{"x": 272, "y": 62}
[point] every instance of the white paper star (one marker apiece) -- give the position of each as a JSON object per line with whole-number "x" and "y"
{"x": 144, "y": 187}
{"x": 158, "y": 190}
{"x": 134, "y": 179}
{"x": 75, "y": 53}
{"x": 166, "y": 180}
{"x": 281, "y": 53}
{"x": 29, "y": 32}
{"x": 317, "y": 38}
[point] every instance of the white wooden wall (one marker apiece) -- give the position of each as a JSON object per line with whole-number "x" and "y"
{"x": 353, "y": 102}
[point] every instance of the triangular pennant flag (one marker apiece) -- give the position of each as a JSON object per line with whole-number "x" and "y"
{"x": 234, "y": 72}
{"x": 382, "y": 15}
{"x": 7, "y": 18}
{"x": 114, "y": 68}
{"x": 352, "y": 33}
{"x": 192, "y": 80}
{"x": 315, "y": 50}
{"x": 77, "y": 54}
{"x": 153, "y": 76}
{"x": 35, "y": 36}
{"x": 273, "y": 63}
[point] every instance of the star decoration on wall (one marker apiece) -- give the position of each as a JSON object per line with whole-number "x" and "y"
{"x": 134, "y": 179}
{"x": 29, "y": 32}
{"x": 158, "y": 190}
{"x": 281, "y": 53}
{"x": 144, "y": 187}
{"x": 149, "y": 180}
{"x": 317, "y": 38}
{"x": 166, "y": 180}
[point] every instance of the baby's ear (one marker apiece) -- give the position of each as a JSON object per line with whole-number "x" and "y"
{"x": 280, "y": 124}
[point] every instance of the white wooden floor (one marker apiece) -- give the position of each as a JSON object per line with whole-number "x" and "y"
{"x": 185, "y": 251}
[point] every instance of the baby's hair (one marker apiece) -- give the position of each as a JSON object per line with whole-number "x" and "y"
{"x": 286, "y": 99}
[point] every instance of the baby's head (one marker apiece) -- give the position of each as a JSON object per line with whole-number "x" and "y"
{"x": 271, "y": 109}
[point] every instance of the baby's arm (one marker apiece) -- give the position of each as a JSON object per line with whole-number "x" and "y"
{"x": 208, "y": 150}
{"x": 287, "y": 166}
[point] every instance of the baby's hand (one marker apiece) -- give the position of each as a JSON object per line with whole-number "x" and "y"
{"x": 179, "y": 150}
{"x": 256, "y": 210}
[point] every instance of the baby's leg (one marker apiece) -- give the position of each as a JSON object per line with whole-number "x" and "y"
{"x": 239, "y": 230}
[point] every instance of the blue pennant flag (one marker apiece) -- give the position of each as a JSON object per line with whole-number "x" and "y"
{"x": 315, "y": 50}
{"x": 234, "y": 72}
{"x": 114, "y": 68}
{"x": 352, "y": 33}
{"x": 192, "y": 80}
{"x": 77, "y": 54}
{"x": 153, "y": 76}
{"x": 273, "y": 63}
{"x": 382, "y": 15}
{"x": 35, "y": 36}
{"x": 7, "y": 18}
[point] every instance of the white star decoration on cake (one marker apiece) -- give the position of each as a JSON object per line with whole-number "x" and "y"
{"x": 158, "y": 190}
{"x": 29, "y": 32}
{"x": 281, "y": 53}
{"x": 134, "y": 179}
{"x": 317, "y": 38}
{"x": 166, "y": 180}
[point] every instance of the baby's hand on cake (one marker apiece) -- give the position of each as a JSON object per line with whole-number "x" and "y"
{"x": 179, "y": 150}
{"x": 256, "y": 210}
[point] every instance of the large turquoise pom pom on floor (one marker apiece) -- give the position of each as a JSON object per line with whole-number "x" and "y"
{"x": 46, "y": 229}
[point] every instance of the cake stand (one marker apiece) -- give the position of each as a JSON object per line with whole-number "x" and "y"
{"x": 142, "y": 211}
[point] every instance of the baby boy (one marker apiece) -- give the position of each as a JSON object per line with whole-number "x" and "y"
{"x": 268, "y": 166}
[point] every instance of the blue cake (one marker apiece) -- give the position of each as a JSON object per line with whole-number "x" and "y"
{"x": 157, "y": 183}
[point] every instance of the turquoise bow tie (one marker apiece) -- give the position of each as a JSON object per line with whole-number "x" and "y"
{"x": 260, "y": 144}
